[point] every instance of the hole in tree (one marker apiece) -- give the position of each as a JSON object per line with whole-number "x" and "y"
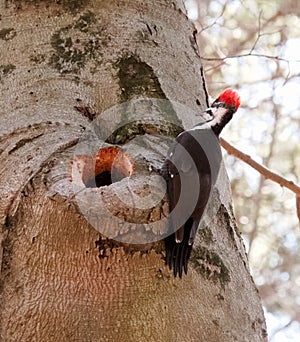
{"x": 102, "y": 179}
{"x": 108, "y": 166}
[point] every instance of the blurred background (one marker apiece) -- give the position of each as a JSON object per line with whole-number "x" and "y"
{"x": 254, "y": 47}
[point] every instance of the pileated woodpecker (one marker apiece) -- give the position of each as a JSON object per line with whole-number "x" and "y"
{"x": 190, "y": 171}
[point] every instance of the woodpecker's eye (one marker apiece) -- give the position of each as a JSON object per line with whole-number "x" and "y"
{"x": 219, "y": 104}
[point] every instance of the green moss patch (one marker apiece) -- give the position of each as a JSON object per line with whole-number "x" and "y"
{"x": 137, "y": 78}
{"x": 7, "y": 33}
{"x": 76, "y": 44}
{"x": 6, "y": 70}
{"x": 210, "y": 265}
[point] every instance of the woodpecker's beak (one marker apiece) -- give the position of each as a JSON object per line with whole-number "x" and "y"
{"x": 206, "y": 115}
{"x": 211, "y": 113}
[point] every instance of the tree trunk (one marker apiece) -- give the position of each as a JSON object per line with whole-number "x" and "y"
{"x": 64, "y": 66}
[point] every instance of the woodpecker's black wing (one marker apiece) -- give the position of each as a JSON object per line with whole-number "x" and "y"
{"x": 189, "y": 177}
{"x": 181, "y": 208}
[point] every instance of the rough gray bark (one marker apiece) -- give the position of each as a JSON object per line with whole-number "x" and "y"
{"x": 63, "y": 64}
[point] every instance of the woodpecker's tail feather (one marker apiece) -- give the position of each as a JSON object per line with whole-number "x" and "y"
{"x": 178, "y": 254}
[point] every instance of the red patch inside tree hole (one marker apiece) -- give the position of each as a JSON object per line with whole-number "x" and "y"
{"x": 108, "y": 166}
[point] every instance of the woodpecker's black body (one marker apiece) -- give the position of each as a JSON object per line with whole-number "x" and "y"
{"x": 190, "y": 171}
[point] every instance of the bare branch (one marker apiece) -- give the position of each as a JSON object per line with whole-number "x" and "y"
{"x": 258, "y": 33}
{"x": 277, "y": 58}
{"x": 268, "y": 174}
{"x": 213, "y": 23}
{"x": 298, "y": 206}
{"x": 285, "y": 326}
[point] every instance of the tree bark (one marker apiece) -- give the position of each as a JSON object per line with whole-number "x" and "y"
{"x": 64, "y": 66}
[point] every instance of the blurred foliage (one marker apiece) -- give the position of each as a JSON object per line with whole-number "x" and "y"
{"x": 254, "y": 47}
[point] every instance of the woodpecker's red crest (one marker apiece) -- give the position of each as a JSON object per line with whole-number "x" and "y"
{"x": 231, "y": 98}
